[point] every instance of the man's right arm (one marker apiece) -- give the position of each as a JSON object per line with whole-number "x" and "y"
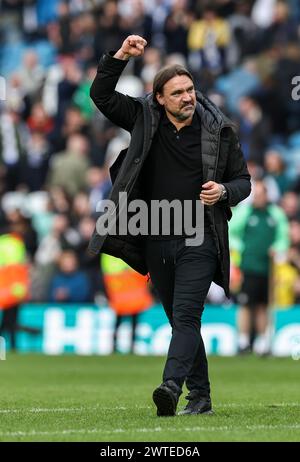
{"x": 121, "y": 109}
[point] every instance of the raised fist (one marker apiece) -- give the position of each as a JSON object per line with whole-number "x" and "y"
{"x": 132, "y": 46}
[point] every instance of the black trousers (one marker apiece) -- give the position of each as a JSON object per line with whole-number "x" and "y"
{"x": 182, "y": 276}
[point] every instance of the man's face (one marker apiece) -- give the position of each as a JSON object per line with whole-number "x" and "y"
{"x": 260, "y": 196}
{"x": 178, "y": 97}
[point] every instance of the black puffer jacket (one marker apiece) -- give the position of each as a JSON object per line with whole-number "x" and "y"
{"x": 222, "y": 161}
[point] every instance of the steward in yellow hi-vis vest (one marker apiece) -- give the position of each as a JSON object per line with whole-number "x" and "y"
{"x": 126, "y": 289}
{"x": 14, "y": 272}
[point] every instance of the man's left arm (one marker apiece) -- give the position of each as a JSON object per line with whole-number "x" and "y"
{"x": 236, "y": 178}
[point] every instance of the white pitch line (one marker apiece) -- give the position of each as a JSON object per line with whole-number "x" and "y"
{"x": 37, "y": 410}
{"x": 151, "y": 430}
{"x": 98, "y": 407}
{"x": 69, "y": 409}
{"x": 258, "y": 405}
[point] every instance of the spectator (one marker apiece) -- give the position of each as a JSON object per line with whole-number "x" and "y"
{"x": 21, "y": 225}
{"x": 61, "y": 236}
{"x": 108, "y": 31}
{"x": 176, "y": 28}
{"x": 241, "y": 81}
{"x": 39, "y": 120}
{"x": 80, "y": 207}
{"x": 151, "y": 65}
{"x": 64, "y": 17}
{"x": 270, "y": 224}
{"x": 67, "y": 87}
{"x": 73, "y": 123}
{"x": 89, "y": 264}
{"x": 31, "y": 74}
{"x": 34, "y": 165}
{"x": 99, "y": 185}
{"x": 254, "y": 129}
{"x": 69, "y": 284}
{"x": 208, "y": 39}
{"x": 82, "y": 98}
{"x": 245, "y": 34}
{"x": 283, "y": 28}
{"x": 290, "y": 205}
{"x": 60, "y": 200}
{"x": 276, "y": 169}
{"x": 68, "y": 169}
{"x": 285, "y": 68}
{"x": 13, "y": 136}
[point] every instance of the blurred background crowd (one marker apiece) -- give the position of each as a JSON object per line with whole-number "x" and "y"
{"x": 56, "y": 147}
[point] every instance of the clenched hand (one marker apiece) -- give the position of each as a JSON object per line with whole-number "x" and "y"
{"x": 211, "y": 193}
{"x": 132, "y": 46}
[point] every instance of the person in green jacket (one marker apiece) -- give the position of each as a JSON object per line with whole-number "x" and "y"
{"x": 259, "y": 233}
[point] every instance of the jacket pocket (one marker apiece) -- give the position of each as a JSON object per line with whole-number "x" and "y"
{"x": 224, "y": 209}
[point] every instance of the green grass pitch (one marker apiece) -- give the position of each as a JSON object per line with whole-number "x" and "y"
{"x": 72, "y": 398}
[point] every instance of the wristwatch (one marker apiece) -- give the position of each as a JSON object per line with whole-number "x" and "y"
{"x": 223, "y": 193}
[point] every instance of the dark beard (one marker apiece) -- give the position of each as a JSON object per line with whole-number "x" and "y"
{"x": 180, "y": 116}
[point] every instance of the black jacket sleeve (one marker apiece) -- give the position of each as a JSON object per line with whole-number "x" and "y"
{"x": 236, "y": 177}
{"x": 121, "y": 109}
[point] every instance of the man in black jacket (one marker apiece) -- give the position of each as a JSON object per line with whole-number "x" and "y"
{"x": 182, "y": 148}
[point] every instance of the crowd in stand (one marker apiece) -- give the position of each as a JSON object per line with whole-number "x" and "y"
{"x": 56, "y": 147}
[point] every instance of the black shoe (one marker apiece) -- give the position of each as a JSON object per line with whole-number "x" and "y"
{"x": 166, "y": 397}
{"x": 197, "y": 404}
